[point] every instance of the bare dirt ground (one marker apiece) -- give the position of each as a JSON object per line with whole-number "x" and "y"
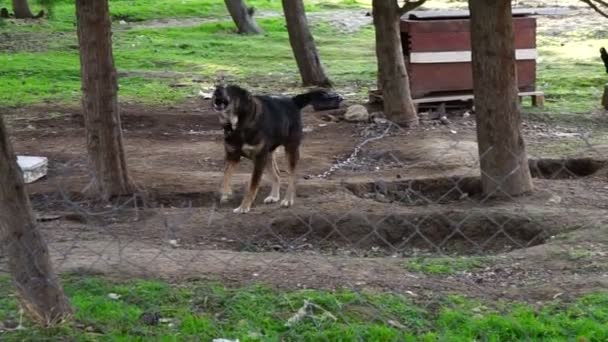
{"x": 404, "y": 194}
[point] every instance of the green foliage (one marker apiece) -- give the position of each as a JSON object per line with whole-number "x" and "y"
{"x": 203, "y": 311}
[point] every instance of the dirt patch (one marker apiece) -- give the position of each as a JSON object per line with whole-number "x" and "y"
{"x": 419, "y": 191}
{"x": 565, "y": 168}
{"x": 126, "y": 23}
{"x": 406, "y": 193}
{"x": 32, "y": 41}
{"x": 447, "y": 232}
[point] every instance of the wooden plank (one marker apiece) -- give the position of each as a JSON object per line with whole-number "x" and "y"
{"x": 430, "y": 78}
{"x": 464, "y": 14}
{"x": 538, "y": 98}
{"x": 465, "y": 97}
{"x": 456, "y": 25}
{"x": 461, "y": 56}
{"x": 525, "y": 38}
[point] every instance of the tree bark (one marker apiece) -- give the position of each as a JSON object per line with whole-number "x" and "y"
{"x": 502, "y": 151}
{"x": 393, "y": 80}
{"x": 109, "y": 175}
{"x": 243, "y": 17}
{"x": 605, "y": 97}
{"x": 38, "y": 288}
{"x": 22, "y": 9}
{"x": 303, "y": 45}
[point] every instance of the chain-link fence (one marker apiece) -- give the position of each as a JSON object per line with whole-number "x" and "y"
{"x": 391, "y": 236}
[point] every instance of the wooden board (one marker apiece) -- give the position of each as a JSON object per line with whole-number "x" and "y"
{"x": 455, "y": 25}
{"x": 538, "y": 96}
{"x": 464, "y": 14}
{"x": 525, "y": 38}
{"x": 429, "y": 78}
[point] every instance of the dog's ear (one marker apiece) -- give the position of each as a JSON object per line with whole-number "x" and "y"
{"x": 220, "y": 79}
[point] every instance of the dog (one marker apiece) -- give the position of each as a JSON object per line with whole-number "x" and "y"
{"x": 254, "y": 127}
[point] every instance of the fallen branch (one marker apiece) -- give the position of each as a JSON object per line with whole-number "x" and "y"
{"x": 410, "y": 6}
{"x": 307, "y": 311}
{"x": 596, "y": 7}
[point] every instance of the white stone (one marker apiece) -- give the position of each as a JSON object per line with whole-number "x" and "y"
{"x": 33, "y": 168}
{"x": 356, "y": 113}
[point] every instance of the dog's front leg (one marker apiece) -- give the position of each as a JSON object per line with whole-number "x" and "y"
{"x": 259, "y": 163}
{"x": 273, "y": 171}
{"x": 293, "y": 156}
{"x": 226, "y": 190}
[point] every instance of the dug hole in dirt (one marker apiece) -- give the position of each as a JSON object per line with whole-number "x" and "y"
{"x": 392, "y": 195}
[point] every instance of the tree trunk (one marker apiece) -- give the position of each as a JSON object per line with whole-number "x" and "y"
{"x": 502, "y": 151}
{"x": 243, "y": 17}
{"x": 392, "y": 75}
{"x": 303, "y": 45}
{"x": 99, "y": 101}
{"x": 38, "y": 288}
{"x": 605, "y": 97}
{"x": 22, "y": 9}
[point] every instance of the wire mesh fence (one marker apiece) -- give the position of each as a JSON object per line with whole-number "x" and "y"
{"x": 391, "y": 237}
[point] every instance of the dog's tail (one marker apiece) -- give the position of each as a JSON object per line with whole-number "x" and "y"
{"x": 311, "y": 97}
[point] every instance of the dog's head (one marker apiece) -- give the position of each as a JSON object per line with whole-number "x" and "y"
{"x": 230, "y": 103}
{"x": 225, "y": 106}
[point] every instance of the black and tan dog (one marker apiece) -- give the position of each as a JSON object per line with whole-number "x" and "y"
{"x": 254, "y": 126}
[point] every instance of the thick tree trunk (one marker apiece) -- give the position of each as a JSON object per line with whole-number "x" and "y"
{"x": 22, "y": 9}
{"x": 392, "y": 75}
{"x": 38, "y": 288}
{"x": 100, "y": 102}
{"x": 243, "y": 17}
{"x": 303, "y": 45}
{"x": 503, "y": 158}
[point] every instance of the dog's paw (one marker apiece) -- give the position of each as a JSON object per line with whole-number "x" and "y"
{"x": 241, "y": 210}
{"x": 225, "y": 197}
{"x": 271, "y": 199}
{"x": 286, "y": 203}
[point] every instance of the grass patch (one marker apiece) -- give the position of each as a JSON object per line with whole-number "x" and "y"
{"x": 140, "y": 10}
{"x": 445, "y": 265}
{"x": 571, "y": 75}
{"x": 259, "y": 61}
{"x": 41, "y": 58}
{"x": 204, "y": 311}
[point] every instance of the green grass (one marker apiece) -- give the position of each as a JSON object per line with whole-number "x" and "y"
{"x": 571, "y": 74}
{"x": 52, "y": 74}
{"x": 41, "y": 59}
{"x": 444, "y": 265}
{"x": 203, "y": 311}
{"x": 140, "y": 10}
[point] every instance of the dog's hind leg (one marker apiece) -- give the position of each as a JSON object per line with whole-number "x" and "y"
{"x": 259, "y": 163}
{"x": 273, "y": 169}
{"x": 226, "y": 190}
{"x": 293, "y": 155}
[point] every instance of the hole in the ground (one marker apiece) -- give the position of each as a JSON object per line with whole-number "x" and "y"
{"x": 450, "y": 232}
{"x": 450, "y": 189}
{"x": 59, "y": 202}
{"x": 564, "y": 168}
{"x": 419, "y": 191}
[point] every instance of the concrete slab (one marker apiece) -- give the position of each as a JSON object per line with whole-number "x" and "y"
{"x": 33, "y": 167}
